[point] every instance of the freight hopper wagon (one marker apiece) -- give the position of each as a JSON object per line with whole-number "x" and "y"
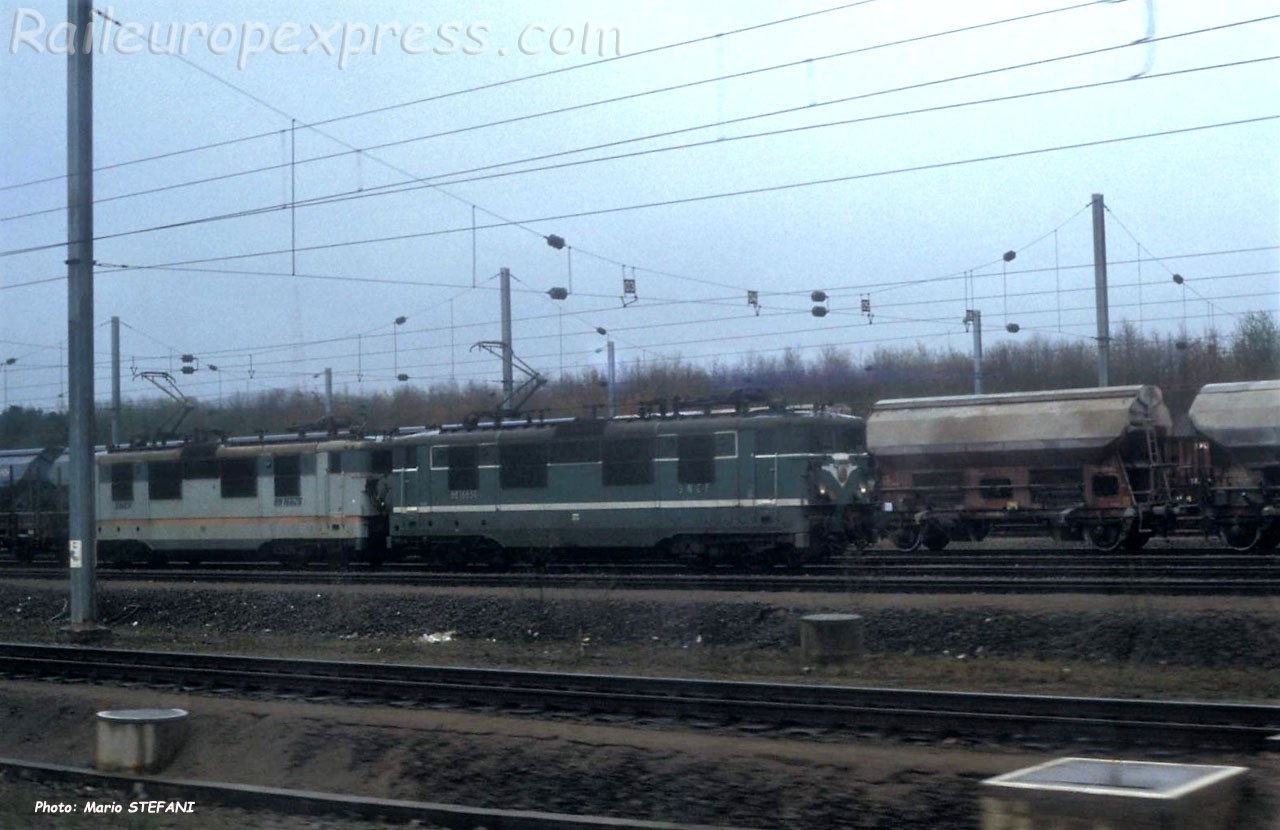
{"x": 286, "y": 500}
{"x": 1076, "y": 463}
{"x": 745, "y": 487}
{"x": 1230, "y": 478}
{"x": 33, "y": 503}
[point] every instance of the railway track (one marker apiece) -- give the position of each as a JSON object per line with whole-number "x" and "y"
{"x": 970, "y": 576}
{"x": 789, "y": 709}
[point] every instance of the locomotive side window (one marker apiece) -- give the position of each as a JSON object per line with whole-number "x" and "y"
{"x": 522, "y": 465}
{"x": 122, "y": 482}
{"x": 335, "y": 462}
{"x": 380, "y": 462}
{"x": 166, "y": 480}
{"x": 766, "y": 443}
{"x": 726, "y": 445}
{"x": 627, "y": 461}
{"x": 695, "y": 459}
{"x": 288, "y": 475}
{"x": 439, "y": 458}
{"x": 239, "y": 478}
{"x": 464, "y": 467}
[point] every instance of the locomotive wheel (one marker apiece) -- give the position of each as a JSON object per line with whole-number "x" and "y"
{"x": 1105, "y": 537}
{"x": 934, "y": 538}
{"x": 1241, "y": 537}
{"x": 907, "y": 538}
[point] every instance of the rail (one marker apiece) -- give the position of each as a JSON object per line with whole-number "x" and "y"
{"x": 887, "y": 712}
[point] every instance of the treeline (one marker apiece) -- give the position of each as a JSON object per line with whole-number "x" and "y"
{"x": 1177, "y": 364}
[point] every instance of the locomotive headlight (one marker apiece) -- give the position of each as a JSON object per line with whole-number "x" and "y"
{"x": 822, "y": 490}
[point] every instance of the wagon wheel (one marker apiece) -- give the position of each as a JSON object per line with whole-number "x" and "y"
{"x": 907, "y": 538}
{"x": 934, "y": 537}
{"x": 1242, "y": 536}
{"x": 1105, "y": 537}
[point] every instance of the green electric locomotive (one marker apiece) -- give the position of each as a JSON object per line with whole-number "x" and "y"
{"x": 747, "y": 487}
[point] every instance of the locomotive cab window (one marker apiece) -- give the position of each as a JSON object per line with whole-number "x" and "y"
{"x": 726, "y": 444}
{"x": 165, "y": 480}
{"x": 239, "y": 478}
{"x": 122, "y": 482}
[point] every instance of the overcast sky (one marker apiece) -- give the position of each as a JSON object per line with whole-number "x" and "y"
{"x": 889, "y": 204}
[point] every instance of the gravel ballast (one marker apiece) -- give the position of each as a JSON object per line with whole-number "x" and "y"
{"x": 1221, "y": 647}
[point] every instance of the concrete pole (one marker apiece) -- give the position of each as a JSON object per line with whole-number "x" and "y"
{"x": 1100, "y": 290}
{"x": 508, "y": 384}
{"x": 613, "y": 388}
{"x": 82, "y": 543}
{"x": 115, "y": 381}
{"x": 328, "y": 393}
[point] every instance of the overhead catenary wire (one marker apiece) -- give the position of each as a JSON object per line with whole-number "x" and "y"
{"x": 646, "y": 326}
{"x": 480, "y": 173}
{"x": 754, "y": 191}
{"x": 1183, "y": 283}
{"x": 648, "y": 296}
{"x": 654, "y": 91}
{"x": 439, "y": 189}
{"x": 655, "y": 356}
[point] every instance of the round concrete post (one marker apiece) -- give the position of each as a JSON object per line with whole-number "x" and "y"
{"x": 139, "y": 740}
{"x": 831, "y": 638}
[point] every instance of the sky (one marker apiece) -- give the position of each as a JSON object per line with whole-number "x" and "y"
{"x": 272, "y": 195}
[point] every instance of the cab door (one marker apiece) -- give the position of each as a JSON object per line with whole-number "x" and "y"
{"x": 764, "y": 458}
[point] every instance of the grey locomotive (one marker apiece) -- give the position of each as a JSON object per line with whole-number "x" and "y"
{"x": 291, "y": 500}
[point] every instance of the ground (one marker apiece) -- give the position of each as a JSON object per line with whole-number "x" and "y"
{"x": 1168, "y": 647}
